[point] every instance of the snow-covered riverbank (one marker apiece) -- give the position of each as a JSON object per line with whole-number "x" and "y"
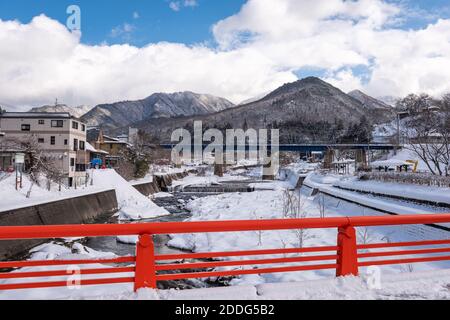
{"x": 269, "y": 205}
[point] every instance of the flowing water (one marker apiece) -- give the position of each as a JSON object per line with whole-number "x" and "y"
{"x": 176, "y": 206}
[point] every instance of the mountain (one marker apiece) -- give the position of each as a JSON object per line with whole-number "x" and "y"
{"x": 158, "y": 105}
{"x": 77, "y": 112}
{"x": 368, "y": 101}
{"x": 254, "y": 99}
{"x": 308, "y": 110}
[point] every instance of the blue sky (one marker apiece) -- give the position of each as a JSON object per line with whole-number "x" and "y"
{"x": 156, "y": 21}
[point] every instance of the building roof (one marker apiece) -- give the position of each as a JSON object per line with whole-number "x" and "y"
{"x": 37, "y": 115}
{"x": 90, "y": 148}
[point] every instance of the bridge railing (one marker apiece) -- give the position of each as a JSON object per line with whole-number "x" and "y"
{"x": 144, "y": 269}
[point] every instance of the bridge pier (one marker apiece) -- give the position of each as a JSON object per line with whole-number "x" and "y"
{"x": 218, "y": 169}
{"x": 271, "y": 166}
{"x": 218, "y": 164}
{"x": 361, "y": 159}
{"x": 329, "y": 159}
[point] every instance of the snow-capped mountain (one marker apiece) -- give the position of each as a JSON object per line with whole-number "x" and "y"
{"x": 306, "y": 110}
{"x": 368, "y": 101}
{"x": 254, "y": 99}
{"x": 158, "y": 105}
{"x": 77, "y": 112}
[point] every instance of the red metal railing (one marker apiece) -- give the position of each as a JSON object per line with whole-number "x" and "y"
{"x": 345, "y": 257}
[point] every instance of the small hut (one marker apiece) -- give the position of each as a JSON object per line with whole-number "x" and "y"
{"x": 342, "y": 166}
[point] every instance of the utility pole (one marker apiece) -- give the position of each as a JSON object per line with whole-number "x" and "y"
{"x": 398, "y": 133}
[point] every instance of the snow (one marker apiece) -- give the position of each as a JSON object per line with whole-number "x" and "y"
{"x": 383, "y": 204}
{"x": 390, "y": 163}
{"x": 207, "y": 180}
{"x": 15, "y": 199}
{"x": 274, "y": 185}
{"x": 67, "y": 251}
{"x": 269, "y": 205}
{"x": 406, "y": 286}
{"x": 407, "y": 154}
{"x": 410, "y": 191}
{"x": 128, "y": 239}
{"x": 162, "y": 195}
{"x": 132, "y": 204}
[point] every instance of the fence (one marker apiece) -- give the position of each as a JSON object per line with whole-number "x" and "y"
{"x": 345, "y": 257}
{"x": 426, "y": 179}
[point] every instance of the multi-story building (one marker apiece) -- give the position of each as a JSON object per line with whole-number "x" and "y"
{"x": 60, "y": 136}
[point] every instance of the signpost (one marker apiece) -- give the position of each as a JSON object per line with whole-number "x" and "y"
{"x": 19, "y": 161}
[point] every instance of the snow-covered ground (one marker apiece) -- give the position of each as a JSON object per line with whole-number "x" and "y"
{"x": 407, "y": 154}
{"x": 414, "y": 286}
{"x": 370, "y": 285}
{"x": 269, "y": 205}
{"x": 328, "y": 185}
{"x": 132, "y": 204}
{"x": 14, "y": 199}
{"x": 207, "y": 180}
{"x": 417, "y": 192}
{"x": 65, "y": 251}
{"x": 397, "y": 281}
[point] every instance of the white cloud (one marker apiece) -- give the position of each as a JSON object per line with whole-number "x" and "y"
{"x": 177, "y": 5}
{"x": 190, "y": 3}
{"x": 260, "y": 48}
{"x": 336, "y": 35}
{"x": 122, "y": 30}
{"x": 42, "y": 60}
{"x": 136, "y": 15}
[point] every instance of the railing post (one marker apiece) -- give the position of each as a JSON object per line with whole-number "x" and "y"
{"x": 145, "y": 274}
{"x": 347, "y": 261}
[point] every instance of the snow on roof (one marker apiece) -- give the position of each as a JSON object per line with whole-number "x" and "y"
{"x": 90, "y": 148}
{"x": 390, "y": 163}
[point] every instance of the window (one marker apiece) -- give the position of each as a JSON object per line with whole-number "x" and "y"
{"x": 66, "y": 142}
{"x": 75, "y": 125}
{"x": 41, "y": 122}
{"x": 83, "y": 128}
{"x": 26, "y": 127}
{"x": 41, "y": 140}
{"x": 52, "y": 140}
{"x": 82, "y": 145}
{"x": 75, "y": 144}
{"x": 80, "y": 168}
{"x": 57, "y": 123}
{"x": 72, "y": 162}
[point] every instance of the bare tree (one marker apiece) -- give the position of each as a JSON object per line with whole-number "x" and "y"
{"x": 428, "y": 129}
{"x": 293, "y": 209}
{"x": 322, "y": 205}
{"x": 39, "y": 163}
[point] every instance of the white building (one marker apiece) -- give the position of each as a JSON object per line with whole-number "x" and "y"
{"x": 59, "y": 135}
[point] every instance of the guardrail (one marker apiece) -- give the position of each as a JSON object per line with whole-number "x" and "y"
{"x": 345, "y": 257}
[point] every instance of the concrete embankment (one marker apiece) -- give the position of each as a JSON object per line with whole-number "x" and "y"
{"x": 78, "y": 210}
{"x": 161, "y": 182}
{"x": 83, "y": 209}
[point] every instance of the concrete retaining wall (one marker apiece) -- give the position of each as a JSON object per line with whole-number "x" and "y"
{"x": 80, "y": 210}
{"x": 161, "y": 182}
